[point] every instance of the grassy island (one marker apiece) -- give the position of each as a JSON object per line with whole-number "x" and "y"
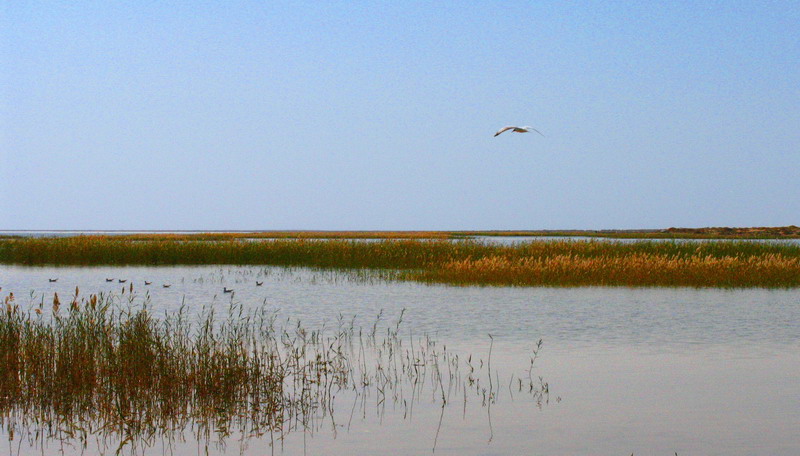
{"x": 728, "y": 263}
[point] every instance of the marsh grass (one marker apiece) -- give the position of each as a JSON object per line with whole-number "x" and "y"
{"x": 558, "y": 263}
{"x": 634, "y": 270}
{"x": 104, "y": 366}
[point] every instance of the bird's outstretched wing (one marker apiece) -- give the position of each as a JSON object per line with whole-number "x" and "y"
{"x": 504, "y": 129}
{"x": 537, "y": 131}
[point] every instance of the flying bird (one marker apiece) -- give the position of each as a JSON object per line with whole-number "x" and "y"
{"x": 524, "y": 129}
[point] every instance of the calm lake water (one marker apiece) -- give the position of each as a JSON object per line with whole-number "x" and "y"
{"x": 506, "y": 240}
{"x": 643, "y": 371}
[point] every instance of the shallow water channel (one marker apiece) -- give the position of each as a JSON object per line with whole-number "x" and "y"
{"x": 643, "y": 371}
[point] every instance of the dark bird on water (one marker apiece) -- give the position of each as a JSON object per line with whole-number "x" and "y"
{"x": 227, "y": 290}
{"x": 147, "y": 283}
{"x": 109, "y": 280}
{"x": 166, "y": 285}
{"x": 258, "y": 284}
{"x": 123, "y": 281}
{"x": 53, "y": 280}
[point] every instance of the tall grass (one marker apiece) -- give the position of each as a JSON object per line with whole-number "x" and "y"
{"x": 86, "y": 366}
{"x": 634, "y": 270}
{"x": 568, "y": 263}
{"x": 106, "y": 366}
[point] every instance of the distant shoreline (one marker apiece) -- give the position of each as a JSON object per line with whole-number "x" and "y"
{"x": 783, "y": 232}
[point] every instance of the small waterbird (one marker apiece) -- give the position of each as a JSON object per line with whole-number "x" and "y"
{"x": 109, "y": 280}
{"x": 166, "y": 285}
{"x": 524, "y": 129}
{"x": 123, "y": 280}
{"x": 147, "y": 283}
{"x": 53, "y": 280}
{"x": 258, "y": 284}
{"x": 227, "y": 290}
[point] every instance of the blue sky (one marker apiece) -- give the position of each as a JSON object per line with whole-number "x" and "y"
{"x": 380, "y": 115}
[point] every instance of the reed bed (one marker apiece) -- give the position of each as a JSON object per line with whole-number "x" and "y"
{"x": 634, "y": 270}
{"x": 558, "y": 263}
{"x": 104, "y": 366}
{"x": 316, "y": 253}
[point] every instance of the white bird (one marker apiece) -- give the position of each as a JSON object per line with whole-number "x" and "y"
{"x": 524, "y": 129}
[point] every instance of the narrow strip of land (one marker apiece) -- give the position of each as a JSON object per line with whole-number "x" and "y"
{"x": 781, "y": 232}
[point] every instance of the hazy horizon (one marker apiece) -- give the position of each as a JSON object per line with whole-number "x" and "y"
{"x": 342, "y": 116}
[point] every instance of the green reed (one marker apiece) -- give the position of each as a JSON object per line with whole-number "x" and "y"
{"x": 87, "y": 365}
{"x": 107, "y": 366}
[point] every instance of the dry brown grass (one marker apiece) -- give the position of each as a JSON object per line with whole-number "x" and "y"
{"x": 633, "y": 270}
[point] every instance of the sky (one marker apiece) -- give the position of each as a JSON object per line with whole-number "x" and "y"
{"x": 380, "y": 115}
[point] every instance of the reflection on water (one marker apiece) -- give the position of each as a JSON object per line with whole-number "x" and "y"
{"x": 649, "y": 371}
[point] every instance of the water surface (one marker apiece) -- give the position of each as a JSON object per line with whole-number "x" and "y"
{"x": 649, "y": 371}
{"x": 505, "y": 240}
